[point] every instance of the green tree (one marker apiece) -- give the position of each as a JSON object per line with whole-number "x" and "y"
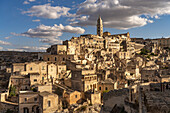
{"x": 12, "y": 91}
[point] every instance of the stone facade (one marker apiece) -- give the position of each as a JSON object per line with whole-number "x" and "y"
{"x": 72, "y": 97}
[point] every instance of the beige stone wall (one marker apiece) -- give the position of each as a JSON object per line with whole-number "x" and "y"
{"x": 6, "y": 106}
{"x": 54, "y": 103}
{"x": 20, "y": 83}
{"x": 90, "y": 83}
{"x": 3, "y": 96}
{"x": 73, "y": 97}
{"x": 61, "y": 68}
{"x": 124, "y": 55}
{"x": 164, "y": 42}
{"x": 43, "y": 68}
{"x": 34, "y": 79}
{"x": 96, "y": 98}
{"x": 61, "y": 49}
{"x": 8, "y": 70}
{"x": 30, "y": 101}
{"x": 105, "y": 86}
{"x": 59, "y": 59}
{"x": 47, "y": 87}
{"x": 32, "y": 67}
{"x": 52, "y": 71}
{"x": 18, "y": 67}
{"x": 84, "y": 72}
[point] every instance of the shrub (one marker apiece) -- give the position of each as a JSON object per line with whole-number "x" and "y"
{"x": 12, "y": 91}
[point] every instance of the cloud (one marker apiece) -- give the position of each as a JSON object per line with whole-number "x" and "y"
{"x": 4, "y": 43}
{"x": 7, "y": 37}
{"x": 1, "y": 48}
{"x": 28, "y": 2}
{"x": 50, "y": 34}
{"x": 47, "y": 11}
{"x": 31, "y": 0}
{"x": 37, "y": 20}
{"x": 121, "y": 14}
{"x": 15, "y": 49}
{"x": 30, "y": 48}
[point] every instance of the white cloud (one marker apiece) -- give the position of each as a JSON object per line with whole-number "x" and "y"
{"x": 1, "y": 48}
{"x": 31, "y": 0}
{"x": 26, "y": 2}
{"x": 37, "y": 20}
{"x": 157, "y": 17}
{"x": 50, "y": 34}
{"x": 47, "y": 11}
{"x": 30, "y": 48}
{"x": 121, "y": 14}
{"x": 15, "y": 50}
{"x": 4, "y": 43}
{"x": 7, "y": 37}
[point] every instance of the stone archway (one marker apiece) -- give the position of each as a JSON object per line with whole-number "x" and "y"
{"x": 36, "y": 109}
{"x": 164, "y": 109}
{"x": 25, "y": 110}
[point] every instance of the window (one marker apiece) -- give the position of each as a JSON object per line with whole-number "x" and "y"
{"x": 30, "y": 68}
{"x": 55, "y": 59}
{"x": 25, "y": 99}
{"x": 63, "y": 59}
{"x": 35, "y": 99}
{"x": 105, "y": 88}
{"x": 43, "y": 68}
{"x": 49, "y": 103}
{"x": 99, "y": 88}
{"x": 35, "y": 80}
{"x": 75, "y": 96}
{"x": 48, "y": 59}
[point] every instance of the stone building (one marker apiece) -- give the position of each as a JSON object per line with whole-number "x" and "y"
{"x": 84, "y": 80}
{"x": 29, "y": 102}
{"x": 138, "y": 40}
{"x": 105, "y": 85}
{"x": 38, "y": 102}
{"x": 99, "y": 27}
{"x": 72, "y": 97}
{"x": 59, "y": 59}
{"x": 57, "y": 49}
{"x": 20, "y": 83}
{"x": 49, "y": 102}
{"x": 162, "y": 42}
{"x": 149, "y": 74}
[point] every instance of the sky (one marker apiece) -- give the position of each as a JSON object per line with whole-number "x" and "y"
{"x": 34, "y": 25}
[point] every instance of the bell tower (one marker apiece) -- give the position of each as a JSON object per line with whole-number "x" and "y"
{"x": 99, "y": 27}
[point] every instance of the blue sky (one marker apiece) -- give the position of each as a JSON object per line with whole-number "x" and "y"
{"x": 34, "y": 25}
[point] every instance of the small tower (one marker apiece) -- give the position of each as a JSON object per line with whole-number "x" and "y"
{"x": 99, "y": 27}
